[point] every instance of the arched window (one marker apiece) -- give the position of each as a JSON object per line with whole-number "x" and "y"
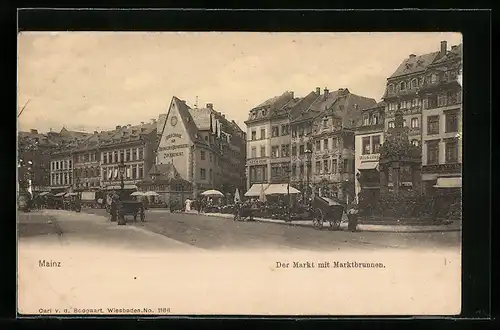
{"x": 414, "y": 123}
{"x": 416, "y": 143}
{"x": 402, "y": 86}
{"x": 414, "y": 83}
{"x": 391, "y": 124}
{"x": 433, "y": 78}
{"x": 390, "y": 88}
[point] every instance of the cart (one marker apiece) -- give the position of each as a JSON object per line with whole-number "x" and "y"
{"x": 132, "y": 207}
{"x": 326, "y": 209}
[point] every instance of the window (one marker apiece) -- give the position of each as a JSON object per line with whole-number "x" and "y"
{"x": 416, "y": 143}
{"x": 392, "y": 106}
{"x": 275, "y": 151}
{"x": 284, "y": 130}
{"x": 366, "y": 145}
{"x": 254, "y": 135}
{"x": 262, "y": 151}
{"x": 432, "y": 125}
{"x": 263, "y": 133}
{"x": 285, "y": 150}
{"x": 414, "y": 102}
{"x": 375, "y": 118}
{"x": 275, "y": 132}
{"x": 203, "y": 174}
{"x": 210, "y": 175}
{"x": 404, "y": 123}
{"x": 325, "y": 123}
{"x": 134, "y": 172}
{"x": 301, "y": 130}
{"x": 451, "y": 121}
{"x": 334, "y": 166}
{"x": 432, "y": 152}
{"x": 325, "y": 144}
{"x": 202, "y": 154}
{"x": 294, "y": 132}
{"x": 376, "y": 144}
{"x": 414, "y": 83}
{"x": 254, "y": 152}
{"x": 325, "y": 166}
{"x": 294, "y": 150}
{"x": 309, "y": 146}
{"x": 414, "y": 122}
{"x": 141, "y": 172}
{"x": 391, "y": 124}
{"x": 441, "y": 100}
{"x": 318, "y": 166}
{"x": 301, "y": 167}
{"x": 122, "y": 155}
{"x": 133, "y": 154}
{"x": 115, "y": 156}
{"x": 294, "y": 170}
{"x": 402, "y": 86}
{"x": 301, "y": 150}
{"x": 318, "y": 145}
{"x": 433, "y": 78}
{"x": 451, "y": 151}
{"x": 210, "y": 156}
{"x": 70, "y": 164}
{"x": 334, "y": 143}
{"x": 127, "y": 155}
{"x": 346, "y": 165}
{"x": 366, "y": 119}
{"x": 390, "y": 88}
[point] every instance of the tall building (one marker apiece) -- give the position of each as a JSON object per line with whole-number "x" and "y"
{"x": 333, "y": 144}
{"x": 135, "y": 146}
{"x": 369, "y": 136}
{"x": 34, "y": 151}
{"x": 61, "y": 159}
{"x": 426, "y": 89}
{"x": 203, "y": 147}
{"x": 267, "y": 132}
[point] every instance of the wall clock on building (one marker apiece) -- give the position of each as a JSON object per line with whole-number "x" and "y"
{"x": 173, "y": 121}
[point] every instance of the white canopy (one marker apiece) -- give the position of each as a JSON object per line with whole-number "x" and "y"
{"x": 255, "y": 189}
{"x": 60, "y": 194}
{"x": 280, "y": 189}
{"x": 151, "y": 193}
{"x": 137, "y": 193}
{"x": 212, "y": 192}
{"x": 451, "y": 182}
{"x": 44, "y": 193}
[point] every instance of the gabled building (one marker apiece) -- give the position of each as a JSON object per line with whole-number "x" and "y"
{"x": 333, "y": 142}
{"x": 203, "y": 146}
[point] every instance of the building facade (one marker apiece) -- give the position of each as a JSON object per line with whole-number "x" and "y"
{"x": 369, "y": 136}
{"x": 267, "y": 132}
{"x": 203, "y": 146}
{"x": 427, "y": 91}
{"x": 135, "y": 146}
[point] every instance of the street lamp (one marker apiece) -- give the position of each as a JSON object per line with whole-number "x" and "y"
{"x": 288, "y": 177}
{"x": 308, "y": 153}
{"x": 121, "y": 217}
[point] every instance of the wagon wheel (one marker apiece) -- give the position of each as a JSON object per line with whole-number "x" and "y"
{"x": 335, "y": 223}
{"x": 318, "y": 217}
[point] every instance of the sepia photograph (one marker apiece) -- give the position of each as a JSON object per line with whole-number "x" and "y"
{"x": 239, "y": 173}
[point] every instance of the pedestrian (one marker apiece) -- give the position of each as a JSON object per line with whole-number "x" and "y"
{"x": 352, "y": 217}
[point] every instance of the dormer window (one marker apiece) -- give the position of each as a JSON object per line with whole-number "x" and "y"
{"x": 402, "y": 86}
{"x": 414, "y": 83}
{"x": 390, "y": 88}
{"x": 433, "y": 78}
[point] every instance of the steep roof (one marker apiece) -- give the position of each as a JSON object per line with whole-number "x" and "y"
{"x": 414, "y": 64}
{"x": 125, "y": 134}
{"x": 270, "y": 107}
{"x": 455, "y": 53}
{"x": 303, "y": 105}
{"x": 350, "y": 109}
{"x": 187, "y": 119}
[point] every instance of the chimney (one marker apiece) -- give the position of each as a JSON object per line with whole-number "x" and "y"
{"x": 142, "y": 123}
{"x": 444, "y": 47}
{"x": 413, "y": 55}
{"x": 128, "y": 125}
{"x": 453, "y": 48}
{"x": 118, "y": 127}
{"x": 210, "y": 106}
{"x": 318, "y": 90}
{"x": 326, "y": 92}
{"x": 292, "y": 94}
{"x": 33, "y": 131}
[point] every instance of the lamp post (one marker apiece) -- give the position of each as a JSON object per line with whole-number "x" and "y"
{"x": 287, "y": 170}
{"x": 121, "y": 217}
{"x": 308, "y": 166}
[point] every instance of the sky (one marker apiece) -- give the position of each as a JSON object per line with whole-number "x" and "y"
{"x": 97, "y": 80}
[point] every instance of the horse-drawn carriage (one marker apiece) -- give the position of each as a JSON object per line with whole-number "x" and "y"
{"x": 122, "y": 203}
{"x": 134, "y": 208}
{"x": 326, "y": 209}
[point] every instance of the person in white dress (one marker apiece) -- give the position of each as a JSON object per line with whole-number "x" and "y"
{"x": 188, "y": 205}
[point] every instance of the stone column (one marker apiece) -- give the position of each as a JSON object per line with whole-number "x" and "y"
{"x": 395, "y": 177}
{"x": 384, "y": 190}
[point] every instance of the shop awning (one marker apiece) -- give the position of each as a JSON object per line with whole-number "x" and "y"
{"x": 368, "y": 166}
{"x": 127, "y": 186}
{"x": 451, "y": 182}
{"x": 280, "y": 189}
{"x": 255, "y": 189}
{"x": 44, "y": 193}
{"x": 60, "y": 194}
